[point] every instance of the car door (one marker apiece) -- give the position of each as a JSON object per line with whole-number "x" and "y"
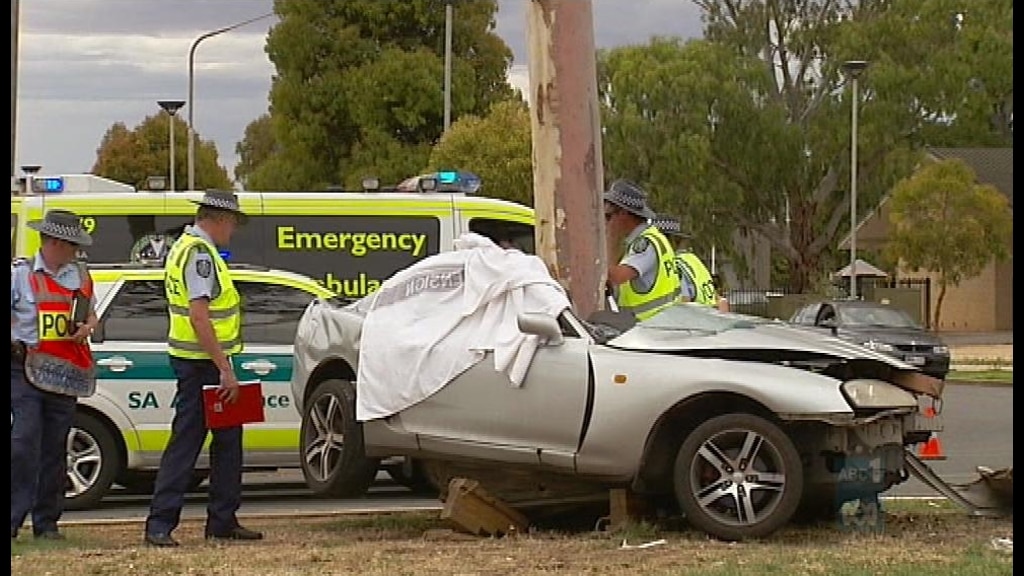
{"x": 132, "y": 368}
{"x": 481, "y": 413}
{"x": 270, "y": 317}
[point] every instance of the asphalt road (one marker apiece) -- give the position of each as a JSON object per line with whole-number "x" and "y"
{"x": 978, "y": 423}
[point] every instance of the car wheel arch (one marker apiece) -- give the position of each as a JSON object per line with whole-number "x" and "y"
{"x": 335, "y": 368}
{"x": 675, "y": 423}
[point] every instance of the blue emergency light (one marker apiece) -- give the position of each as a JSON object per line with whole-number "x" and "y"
{"x": 48, "y": 185}
{"x": 466, "y": 182}
{"x": 226, "y": 255}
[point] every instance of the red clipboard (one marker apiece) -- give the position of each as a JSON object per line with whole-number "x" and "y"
{"x": 246, "y": 409}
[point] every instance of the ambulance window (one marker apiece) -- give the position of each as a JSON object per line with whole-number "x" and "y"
{"x": 138, "y": 313}
{"x": 505, "y": 233}
{"x": 271, "y": 312}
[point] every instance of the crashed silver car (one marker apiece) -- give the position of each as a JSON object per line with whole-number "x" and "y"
{"x": 737, "y": 421}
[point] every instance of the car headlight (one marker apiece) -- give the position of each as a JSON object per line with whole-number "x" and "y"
{"x": 941, "y": 350}
{"x": 878, "y": 346}
{"x": 868, "y": 393}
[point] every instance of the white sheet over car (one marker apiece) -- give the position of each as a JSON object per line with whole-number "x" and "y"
{"x": 434, "y": 320}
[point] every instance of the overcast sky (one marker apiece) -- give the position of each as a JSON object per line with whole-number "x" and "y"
{"x": 86, "y": 64}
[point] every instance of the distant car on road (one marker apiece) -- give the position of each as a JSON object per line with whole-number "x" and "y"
{"x": 880, "y": 327}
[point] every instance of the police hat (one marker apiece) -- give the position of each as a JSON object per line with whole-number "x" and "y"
{"x": 62, "y": 225}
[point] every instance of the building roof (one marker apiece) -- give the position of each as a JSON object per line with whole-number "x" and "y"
{"x": 992, "y": 165}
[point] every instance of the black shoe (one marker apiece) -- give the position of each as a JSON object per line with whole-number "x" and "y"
{"x": 161, "y": 540}
{"x": 49, "y": 535}
{"x": 14, "y": 533}
{"x": 236, "y": 533}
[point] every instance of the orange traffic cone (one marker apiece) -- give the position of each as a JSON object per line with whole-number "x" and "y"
{"x": 932, "y": 449}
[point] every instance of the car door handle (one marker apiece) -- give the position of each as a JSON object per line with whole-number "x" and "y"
{"x": 261, "y": 367}
{"x": 116, "y": 363}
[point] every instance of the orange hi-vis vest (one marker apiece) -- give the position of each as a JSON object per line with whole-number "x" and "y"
{"x": 59, "y": 364}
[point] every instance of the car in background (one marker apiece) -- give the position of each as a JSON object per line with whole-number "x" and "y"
{"x": 119, "y": 433}
{"x": 880, "y": 327}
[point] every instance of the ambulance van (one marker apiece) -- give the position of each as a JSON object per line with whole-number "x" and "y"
{"x": 348, "y": 241}
{"x": 296, "y": 245}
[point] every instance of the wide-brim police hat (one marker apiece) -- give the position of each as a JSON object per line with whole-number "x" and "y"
{"x": 630, "y": 197}
{"x": 223, "y": 200}
{"x": 62, "y": 225}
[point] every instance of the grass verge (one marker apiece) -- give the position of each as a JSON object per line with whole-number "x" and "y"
{"x": 916, "y": 539}
{"x": 981, "y": 376}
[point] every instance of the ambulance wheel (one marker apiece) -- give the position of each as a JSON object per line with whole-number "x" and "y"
{"x": 332, "y": 454}
{"x": 93, "y": 462}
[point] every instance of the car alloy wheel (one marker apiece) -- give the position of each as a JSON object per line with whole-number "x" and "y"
{"x": 92, "y": 462}
{"x": 738, "y": 476}
{"x": 334, "y": 462}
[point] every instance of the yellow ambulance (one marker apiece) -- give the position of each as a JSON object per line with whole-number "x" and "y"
{"x": 348, "y": 241}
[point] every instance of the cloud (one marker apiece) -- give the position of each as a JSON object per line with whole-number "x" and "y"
{"x": 85, "y": 64}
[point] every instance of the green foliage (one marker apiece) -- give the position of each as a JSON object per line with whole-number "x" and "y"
{"x": 359, "y": 87}
{"x": 943, "y": 221}
{"x": 720, "y": 127}
{"x": 256, "y": 147}
{"x": 496, "y": 147}
{"x": 132, "y": 156}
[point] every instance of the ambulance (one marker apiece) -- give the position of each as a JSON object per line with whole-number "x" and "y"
{"x": 348, "y": 241}
{"x": 296, "y": 246}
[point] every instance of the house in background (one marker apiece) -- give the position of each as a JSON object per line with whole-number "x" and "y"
{"x": 980, "y": 304}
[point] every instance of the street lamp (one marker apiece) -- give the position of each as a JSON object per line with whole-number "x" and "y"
{"x": 191, "y": 91}
{"x": 448, "y": 15}
{"x": 171, "y": 107}
{"x": 853, "y": 69}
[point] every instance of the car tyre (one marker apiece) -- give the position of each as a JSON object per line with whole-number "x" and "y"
{"x": 333, "y": 457}
{"x": 753, "y": 468}
{"x": 93, "y": 462}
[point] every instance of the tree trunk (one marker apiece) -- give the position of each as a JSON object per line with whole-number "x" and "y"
{"x": 938, "y": 304}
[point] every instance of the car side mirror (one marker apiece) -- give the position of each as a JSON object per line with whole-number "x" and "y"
{"x": 541, "y": 325}
{"x": 829, "y": 323}
{"x": 98, "y": 333}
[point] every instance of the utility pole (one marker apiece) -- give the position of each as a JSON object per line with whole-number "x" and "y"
{"x": 448, "y": 17}
{"x": 15, "y": 31}
{"x": 568, "y": 171}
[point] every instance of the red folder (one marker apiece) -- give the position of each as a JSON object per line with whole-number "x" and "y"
{"x": 246, "y": 409}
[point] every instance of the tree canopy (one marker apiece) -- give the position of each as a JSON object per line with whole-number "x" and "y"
{"x": 359, "y": 87}
{"x": 132, "y": 156}
{"x": 946, "y": 223}
{"x": 495, "y": 147}
{"x": 752, "y": 124}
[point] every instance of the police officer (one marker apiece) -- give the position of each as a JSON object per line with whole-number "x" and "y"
{"x": 698, "y": 283}
{"x": 645, "y": 280}
{"x": 52, "y": 315}
{"x": 205, "y": 332}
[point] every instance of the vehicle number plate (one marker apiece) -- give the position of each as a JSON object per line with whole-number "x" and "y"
{"x": 915, "y": 360}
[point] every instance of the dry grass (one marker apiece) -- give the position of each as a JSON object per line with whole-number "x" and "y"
{"x": 919, "y": 541}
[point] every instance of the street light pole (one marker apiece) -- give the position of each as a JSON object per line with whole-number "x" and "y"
{"x": 448, "y": 16}
{"x": 853, "y": 68}
{"x": 191, "y": 91}
{"x": 171, "y": 107}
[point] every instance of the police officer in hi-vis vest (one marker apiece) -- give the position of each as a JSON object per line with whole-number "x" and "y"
{"x": 645, "y": 280}
{"x": 697, "y": 282}
{"x": 53, "y": 312}
{"x": 205, "y": 332}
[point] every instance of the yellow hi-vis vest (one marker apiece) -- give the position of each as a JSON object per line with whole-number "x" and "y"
{"x": 665, "y": 290}
{"x": 225, "y": 314}
{"x": 704, "y": 287}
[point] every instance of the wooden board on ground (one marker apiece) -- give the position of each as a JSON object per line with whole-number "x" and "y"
{"x": 469, "y": 508}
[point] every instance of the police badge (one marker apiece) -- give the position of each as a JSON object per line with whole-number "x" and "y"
{"x": 204, "y": 268}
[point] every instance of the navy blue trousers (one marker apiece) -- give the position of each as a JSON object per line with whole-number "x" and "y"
{"x": 188, "y": 432}
{"x": 40, "y": 422}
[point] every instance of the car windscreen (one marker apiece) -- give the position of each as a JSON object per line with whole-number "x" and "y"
{"x": 699, "y": 318}
{"x": 872, "y": 316}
